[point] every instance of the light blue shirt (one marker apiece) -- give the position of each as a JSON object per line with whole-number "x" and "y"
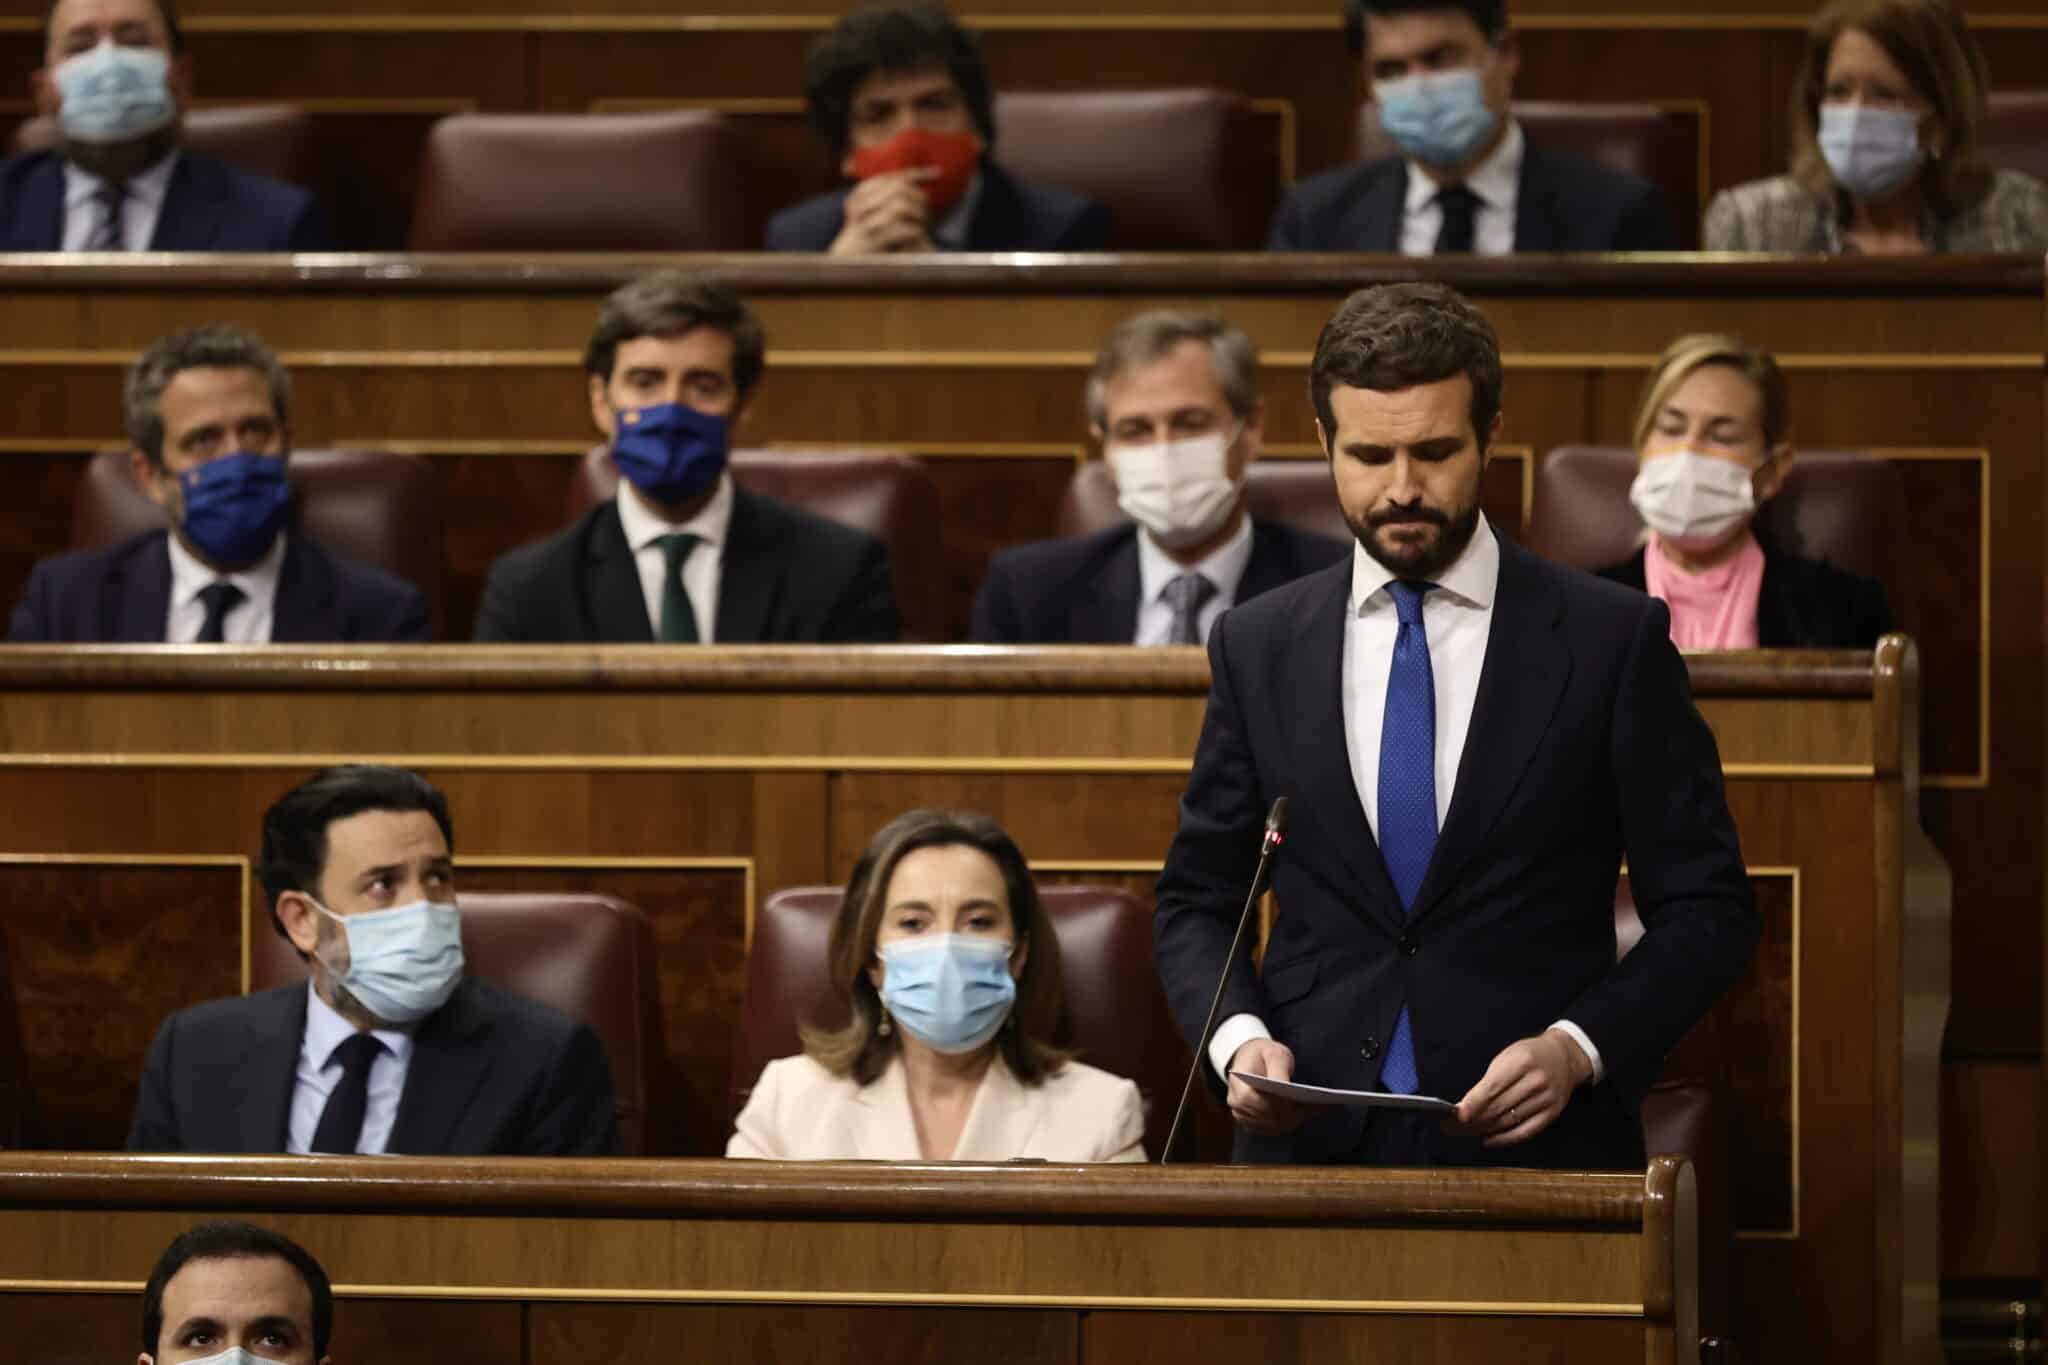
{"x": 326, "y": 1030}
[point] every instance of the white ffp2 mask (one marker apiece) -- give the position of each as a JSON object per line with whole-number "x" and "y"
{"x": 1694, "y": 499}
{"x": 1181, "y": 491}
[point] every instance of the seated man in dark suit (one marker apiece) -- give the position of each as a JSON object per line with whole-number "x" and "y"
{"x": 683, "y": 554}
{"x": 1174, "y": 400}
{"x": 116, "y": 78}
{"x": 209, "y": 434}
{"x": 1442, "y": 72}
{"x": 389, "y": 1047}
{"x": 228, "y": 1286}
{"x": 902, "y": 99}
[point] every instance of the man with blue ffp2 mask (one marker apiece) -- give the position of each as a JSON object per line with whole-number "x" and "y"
{"x": 232, "y": 1293}
{"x": 1465, "y": 179}
{"x": 389, "y": 1047}
{"x": 683, "y": 554}
{"x": 208, "y": 417}
{"x": 113, "y": 86}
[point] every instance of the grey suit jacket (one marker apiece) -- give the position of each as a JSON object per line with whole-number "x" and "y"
{"x": 1780, "y": 214}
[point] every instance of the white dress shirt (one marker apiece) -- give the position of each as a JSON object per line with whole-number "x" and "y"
{"x": 1224, "y": 566}
{"x": 1498, "y": 183}
{"x": 644, "y": 530}
{"x": 248, "y": 622}
{"x": 326, "y": 1030}
{"x": 140, "y": 210}
{"x": 1457, "y": 617}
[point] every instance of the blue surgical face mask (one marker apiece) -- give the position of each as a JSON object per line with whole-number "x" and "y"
{"x": 403, "y": 964}
{"x": 951, "y": 992}
{"x": 235, "y": 506}
{"x": 1871, "y": 150}
{"x": 114, "y": 93}
{"x": 670, "y": 452}
{"x": 1439, "y": 118}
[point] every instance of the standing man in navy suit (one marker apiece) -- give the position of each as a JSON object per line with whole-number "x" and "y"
{"x": 209, "y": 433}
{"x": 1471, "y": 740}
{"x": 1467, "y": 181}
{"x": 902, "y": 99}
{"x": 1174, "y": 401}
{"x": 116, "y": 78}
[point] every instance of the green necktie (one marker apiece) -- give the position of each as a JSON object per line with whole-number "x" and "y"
{"x": 678, "y": 622}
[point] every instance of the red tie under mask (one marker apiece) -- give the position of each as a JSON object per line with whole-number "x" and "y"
{"x": 953, "y": 155}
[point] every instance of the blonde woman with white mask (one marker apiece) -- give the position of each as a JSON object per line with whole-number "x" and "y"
{"x": 1173, "y": 401}
{"x": 1711, "y": 439}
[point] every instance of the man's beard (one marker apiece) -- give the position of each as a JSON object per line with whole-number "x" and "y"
{"x": 121, "y": 162}
{"x": 1426, "y": 558}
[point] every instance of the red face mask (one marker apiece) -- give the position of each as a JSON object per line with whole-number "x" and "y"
{"x": 952, "y": 155}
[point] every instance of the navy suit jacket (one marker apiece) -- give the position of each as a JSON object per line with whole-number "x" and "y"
{"x": 1011, "y": 215}
{"x": 1084, "y": 589}
{"x": 208, "y": 206}
{"x": 1563, "y": 203}
{"x": 121, "y": 594}
{"x": 787, "y": 577}
{"x": 1584, "y": 748}
{"x": 492, "y": 1074}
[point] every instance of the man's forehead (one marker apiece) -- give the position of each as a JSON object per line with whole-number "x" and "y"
{"x": 1184, "y": 376}
{"x": 237, "y": 1289}
{"x": 105, "y": 14}
{"x": 697, "y": 348}
{"x": 1410, "y": 35}
{"x": 1419, "y": 412}
{"x": 377, "y": 838}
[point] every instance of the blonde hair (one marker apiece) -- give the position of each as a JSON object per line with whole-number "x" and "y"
{"x": 1689, "y": 354}
{"x": 1932, "y": 47}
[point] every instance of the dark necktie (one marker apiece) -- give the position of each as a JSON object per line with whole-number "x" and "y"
{"x": 107, "y": 233}
{"x": 219, "y": 599}
{"x": 678, "y": 622}
{"x": 1459, "y": 205}
{"x": 1407, "y": 808}
{"x": 341, "y": 1122}
{"x": 1187, "y": 594}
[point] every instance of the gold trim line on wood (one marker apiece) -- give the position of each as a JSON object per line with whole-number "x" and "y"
{"x": 576, "y": 448}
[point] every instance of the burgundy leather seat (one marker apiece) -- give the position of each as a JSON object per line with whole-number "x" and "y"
{"x": 17, "y": 1096}
{"x": 1116, "y": 1014}
{"x": 1846, "y": 508}
{"x": 1660, "y": 145}
{"x": 1180, "y": 170}
{"x": 1296, "y": 493}
{"x": 890, "y": 497}
{"x": 581, "y": 182}
{"x": 589, "y": 956}
{"x": 371, "y": 506}
{"x": 266, "y": 139}
{"x": 2016, "y": 137}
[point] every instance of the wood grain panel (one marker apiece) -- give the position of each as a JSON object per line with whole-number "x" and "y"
{"x": 1758, "y": 1020}
{"x": 1312, "y": 1338}
{"x": 91, "y": 1329}
{"x": 575, "y": 1333}
{"x": 1991, "y": 1185}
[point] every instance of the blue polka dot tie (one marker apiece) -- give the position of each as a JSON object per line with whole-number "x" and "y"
{"x": 1407, "y": 807}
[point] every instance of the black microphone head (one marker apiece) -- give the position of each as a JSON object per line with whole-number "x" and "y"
{"x": 1276, "y": 818}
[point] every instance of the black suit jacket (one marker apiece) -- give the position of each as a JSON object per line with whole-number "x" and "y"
{"x": 491, "y": 1074}
{"x": 1084, "y": 589}
{"x": 1012, "y": 215}
{"x": 787, "y": 577}
{"x": 1564, "y": 203}
{"x": 1584, "y": 747}
{"x": 121, "y": 594}
{"x": 208, "y": 206}
{"x": 1803, "y": 603}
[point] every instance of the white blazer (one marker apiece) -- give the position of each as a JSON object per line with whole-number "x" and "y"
{"x": 799, "y": 1111}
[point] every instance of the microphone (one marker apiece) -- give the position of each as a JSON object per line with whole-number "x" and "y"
{"x": 1269, "y": 843}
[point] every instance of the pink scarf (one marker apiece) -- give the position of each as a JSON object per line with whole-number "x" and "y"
{"x": 1714, "y": 609}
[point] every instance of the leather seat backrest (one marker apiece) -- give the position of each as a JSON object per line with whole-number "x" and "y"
{"x": 2016, "y": 136}
{"x": 664, "y": 181}
{"x": 890, "y": 497}
{"x": 1295, "y": 493}
{"x": 589, "y": 956}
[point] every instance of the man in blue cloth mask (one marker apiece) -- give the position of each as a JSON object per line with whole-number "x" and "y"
{"x": 388, "y": 1047}
{"x": 113, "y": 86}
{"x": 1465, "y": 180}
{"x": 683, "y": 554}
{"x": 209, "y": 434}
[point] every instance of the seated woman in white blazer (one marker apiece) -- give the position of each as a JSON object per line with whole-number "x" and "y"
{"x": 953, "y": 972}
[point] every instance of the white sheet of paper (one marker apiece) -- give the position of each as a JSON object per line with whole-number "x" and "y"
{"x": 1357, "y": 1099}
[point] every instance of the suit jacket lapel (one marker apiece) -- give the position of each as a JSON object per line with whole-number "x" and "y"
{"x": 451, "y": 1057}
{"x": 1268, "y": 567}
{"x": 750, "y": 577}
{"x": 1323, "y": 758}
{"x": 190, "y": 217}
{"x": 612, "y": 600}
{"x": 1374, "y": 222}
{"x": 135, "y": 597}
{"x": 1107, "y": 613}
{"x": 38, "y": 224}
{"x": 265, "y": 1069}
{"x": 883, "y": 1129}
{"x": 1002, "y": 1120}
{"x": 1526, "y": 669}
{"x": 1537, "y": 225}
{"x": 305, "y": 611}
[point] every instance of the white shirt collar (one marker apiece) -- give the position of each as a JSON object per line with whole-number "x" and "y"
{"x": 189, "y": 574}
{"x": 1496, "y": 180}
{"x": 1224, "y": 566}
{"x": 327, "y": 1030}
{"x": 1473, "y": 577}
{"x": 147, "y": 188}
{"x": 643, "y": 526}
